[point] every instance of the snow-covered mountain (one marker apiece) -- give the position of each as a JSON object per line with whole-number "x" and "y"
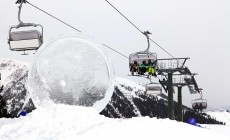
{"x": 13, "y": 77}
{"x": 129, "y": 99}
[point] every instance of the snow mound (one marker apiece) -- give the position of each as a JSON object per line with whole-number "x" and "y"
{"x": 73, "y": 70}
{"x": 58, "y": 122}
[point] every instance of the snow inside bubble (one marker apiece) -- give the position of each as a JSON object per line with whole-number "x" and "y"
{"x": 72, "y": 70}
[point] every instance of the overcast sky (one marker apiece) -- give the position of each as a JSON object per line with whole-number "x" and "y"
{"x": 199, "y": 29}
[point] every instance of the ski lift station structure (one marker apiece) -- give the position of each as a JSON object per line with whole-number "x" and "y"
{"x": 171, "y": 67}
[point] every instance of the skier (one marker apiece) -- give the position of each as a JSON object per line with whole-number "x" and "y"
{"x": 151, "y": 69}
{"x": 134, "y": 67}
{"x": 143, "y": 67}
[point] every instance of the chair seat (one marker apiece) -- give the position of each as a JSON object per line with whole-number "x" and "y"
{"x": 32, "y": 44}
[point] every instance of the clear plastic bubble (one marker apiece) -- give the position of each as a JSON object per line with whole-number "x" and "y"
{"x": 73, "y": 70}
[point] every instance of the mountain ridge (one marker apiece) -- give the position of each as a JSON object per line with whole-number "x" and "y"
{"x": 129, "y": 98}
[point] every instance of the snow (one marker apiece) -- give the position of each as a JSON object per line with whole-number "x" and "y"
{"x": 221, "y": 116}
{"x": 128, "y": 83}
{"x": 219, "y": 128}
{"x": 12, "y": 66}
{"x": 59, "y": 122}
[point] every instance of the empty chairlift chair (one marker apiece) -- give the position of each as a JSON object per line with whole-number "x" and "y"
{"x": 25, "y": 40}
{"x": 22, "y": 37}
{"x": 153, "y": 89}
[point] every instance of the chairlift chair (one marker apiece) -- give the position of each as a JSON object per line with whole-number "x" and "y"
{"x": 141, "y": 56}
{"x": 153, "y": 89}
{"x": 24, "y": 39}
{"x": 199, "y": 104}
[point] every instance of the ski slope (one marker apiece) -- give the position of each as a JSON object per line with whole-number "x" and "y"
{"x": 64, "y": 122}
{"x": 221, "y": 115}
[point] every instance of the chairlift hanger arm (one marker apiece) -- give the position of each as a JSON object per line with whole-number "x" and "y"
{"x": 19, "y": 10}
{"x": 20, "y": 1}
{"x": 146, "y": 33}
{"x": 22, "y": 24}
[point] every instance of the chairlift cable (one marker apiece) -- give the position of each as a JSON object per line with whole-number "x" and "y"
{"x": 124, "y": 16}
{"x": 115, "y": 51}
{"x": 80, "y": 31}
{"x": 25, "y": 1}
{"x": 53, "y": 17}
{"x": 144, "y": 34}
{"x": 102, "y": 44}
{"x": 140, "y": 30}
{"x": 73, "y": 27}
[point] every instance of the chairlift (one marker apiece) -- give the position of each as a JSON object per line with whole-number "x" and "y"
{"x": 199, "y": 104}
{"x": 21, "y": 38}
{"x": 138, "y": 58}
{"x": 153, "y": 89}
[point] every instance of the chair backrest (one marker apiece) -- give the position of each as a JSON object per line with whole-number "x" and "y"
{"x": 199, "y": 105}
{"x": 25, "y": 35}
{"x": 25, "y": 40}
{"x": 153, "y": 89}
{"x": 139, "y": 57}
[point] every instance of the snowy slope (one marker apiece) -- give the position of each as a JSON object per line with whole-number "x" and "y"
{"x": 221, "y": 115}
{"x": 62, "y": 122}
{"x": 130, "y": 100}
